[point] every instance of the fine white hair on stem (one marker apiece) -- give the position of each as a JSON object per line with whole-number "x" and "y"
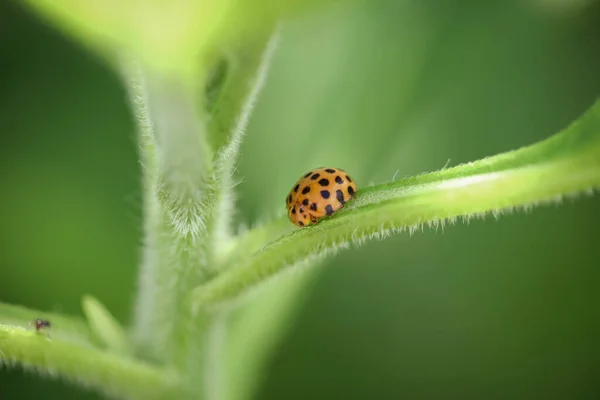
{"x": 231, "y": 150}
{"x": 227, "y": 156}
{"x": 177, "y": 165}
{"x": 183, "y": 157}
{"x": 390, "y": 208}
{"x": 137, "y": 92}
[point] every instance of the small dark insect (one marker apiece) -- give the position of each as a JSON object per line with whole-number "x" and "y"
{"x": 42, "y": 324}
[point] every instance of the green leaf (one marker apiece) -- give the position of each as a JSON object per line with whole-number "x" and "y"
{"x": 170, "y": 37}
{"x": 112, "y": 375}
{"x": 234, "y": 90}
{"x": 229, "y": 116}
{"x": 566, "y": 164}
{"x": 105, "y": 326}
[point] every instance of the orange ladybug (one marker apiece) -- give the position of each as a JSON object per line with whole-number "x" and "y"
{"x": 319, "y": 194}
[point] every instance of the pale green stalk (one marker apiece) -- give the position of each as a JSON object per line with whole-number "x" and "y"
{"x": 565, "y": 164}
{"x": 111, "y": 374}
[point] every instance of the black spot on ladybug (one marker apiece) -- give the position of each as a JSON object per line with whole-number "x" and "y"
{"x": 313, "y": 206}
{"x": 307, "y": 175}
{"x": 315, "y": 176}
{"x": 340, "y": 196}
{"x": 325, "y": 194}
{"x": 350, "y": 191}
{"x": 290, "y": 198}
{"x": 306, "y": 190}
{"x": 300, "y": 223}
{"x": 338, "y": 179}
{"x": 294, "y": 210}
{"x": 348, "y": 178}
{"x": 305, "y": 202}
{"x": 328, "y": 209}
{"x": 304, "y": 216}
{"x": 296, "y": 188}
{"x": 331, "y": 171}
{"x": 324, "y": 182}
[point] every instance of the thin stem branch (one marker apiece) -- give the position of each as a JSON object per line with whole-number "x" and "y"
{"x": 565, "y": 164}
{"x": 387, "y": 209}
{"x": 64, "y": 327}
{"x": 114, "y": 375}
{"x": 145, "y": 303}
{"x": 244, "y": 84}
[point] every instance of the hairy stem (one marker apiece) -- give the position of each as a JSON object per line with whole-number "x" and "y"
{"x": 568, "y": 163}
{"x": 176, "y": 169}
{"x": 67, "y": 328}
{"x": 114, "y": 375}
{"x": 246, "y": 77}
{"x": 145, "y": 303}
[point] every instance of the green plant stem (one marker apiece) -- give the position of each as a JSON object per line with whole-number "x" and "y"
{"x": 230, "y": 112}
{"x": 214, "y": 369}
{"x": 67, "y": 328}
{"x": 176, "y": 170}
{"x": 566, "y": 164}
{"x": 257, "y": 330}
{"x": 145, "y": 303}
{"x": 257, "y": 238}
{"x": 113, "y": 375}
{"x": 245, "y": 75}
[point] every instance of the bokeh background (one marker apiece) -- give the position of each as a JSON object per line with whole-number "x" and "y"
{"x": 502, "y": 309}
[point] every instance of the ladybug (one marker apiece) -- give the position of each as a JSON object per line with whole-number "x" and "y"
{"x": 319, "y": 194}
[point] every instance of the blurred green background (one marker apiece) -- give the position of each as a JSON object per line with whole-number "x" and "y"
{"x": 504, "y": 308}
